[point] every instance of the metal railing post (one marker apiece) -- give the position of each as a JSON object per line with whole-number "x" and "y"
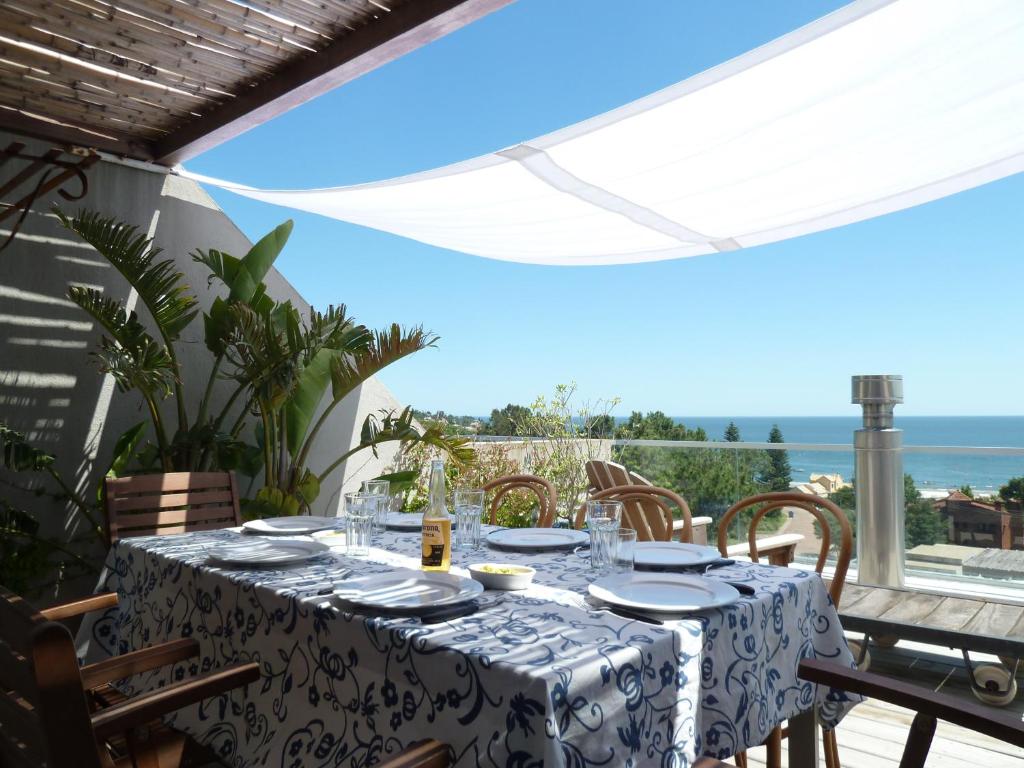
{"x": 878, "y": 472}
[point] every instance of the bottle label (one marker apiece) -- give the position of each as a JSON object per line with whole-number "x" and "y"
{"x": 437, "y": 536}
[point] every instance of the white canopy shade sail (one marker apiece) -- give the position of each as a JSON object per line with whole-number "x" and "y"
{"x": 880, "y": 106}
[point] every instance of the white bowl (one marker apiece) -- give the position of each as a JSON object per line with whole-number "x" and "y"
{"x": 519, "y": 578}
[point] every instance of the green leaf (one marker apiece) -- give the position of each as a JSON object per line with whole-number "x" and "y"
{"x": 222, "y": 266}
{"x": 308, "y": 488}
{"x": 257, "y": 262}
{"x": 130, "y": 355}
{"x": 21, "y": 456}
{"x": 124, "y": 447}
{"x": 301, "y": 406}
{"x": 400, "y": 481}
{"x": 159, "y": 285}
{"x": 124, "y": 450}
{"x": 388, "y": 346}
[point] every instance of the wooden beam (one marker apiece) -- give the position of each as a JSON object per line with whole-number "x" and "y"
{"x": 69, "y": 136}
{"x": 403, "y": 30}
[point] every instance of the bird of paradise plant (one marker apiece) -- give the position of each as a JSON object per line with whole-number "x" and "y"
{"x": 280, "y": 363}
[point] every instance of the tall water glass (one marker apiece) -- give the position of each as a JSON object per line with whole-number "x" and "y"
{"x": 623, "y": 550}
{"x": 603, "y": 518}
{"x": 382, "y": 490}
{"x": 360, "y": 513}
{"x": 469, "y": 508}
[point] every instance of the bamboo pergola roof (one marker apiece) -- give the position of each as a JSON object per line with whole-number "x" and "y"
{"x": 163, "y": 80}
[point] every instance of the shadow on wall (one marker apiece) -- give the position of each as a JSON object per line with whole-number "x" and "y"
{"x": 50, "y": 387}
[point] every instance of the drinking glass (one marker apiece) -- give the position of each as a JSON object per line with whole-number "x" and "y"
{"x": 623, "y": 550}
{"x": 469, "y": 508}
{"x": 603, "y": 518}
{"x": 381, "y": 489}
{"x": 360, "y": 513}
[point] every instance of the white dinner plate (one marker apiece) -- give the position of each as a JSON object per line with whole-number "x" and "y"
{"x": 298, "y": 525}
{"x": 537, "y": 539}
{"x": 403, "y": 521}
{"x": 672, "y": 593}
{"x": 407, "y": 591}
{"x": 669, "y": 555}
{"x": 262, "y": 552}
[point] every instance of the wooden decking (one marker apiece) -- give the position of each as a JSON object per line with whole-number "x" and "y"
{"x": 873, "y": 734}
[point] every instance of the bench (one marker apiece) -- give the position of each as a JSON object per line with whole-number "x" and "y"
{"x": 933, "y": 618}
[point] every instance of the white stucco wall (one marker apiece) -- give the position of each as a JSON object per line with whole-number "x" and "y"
{"x": 49, "y": 386}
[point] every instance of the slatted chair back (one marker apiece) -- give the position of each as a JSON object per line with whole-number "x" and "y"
{"x": 44, "y": 714}
{"x": 547, "y": 496}
{"x": 603, "y": 475}
{"x": 174, "y": 502}
{"x": 820, "y": 508}
{"x": 646, "y": 509}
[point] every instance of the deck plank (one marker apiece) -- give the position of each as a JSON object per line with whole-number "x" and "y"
{"x": 995, "y": 619}
{"x": 877, "y": 601}
{"x": 913, "y": 608}
{"x": 955, "y": 613}
{"x": 873, "y": 735}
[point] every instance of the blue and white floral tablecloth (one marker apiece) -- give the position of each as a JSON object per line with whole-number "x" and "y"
{"x": 535, "y": 678}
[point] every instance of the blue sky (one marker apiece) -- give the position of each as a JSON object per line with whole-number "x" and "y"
{"x": 932, "y": 293}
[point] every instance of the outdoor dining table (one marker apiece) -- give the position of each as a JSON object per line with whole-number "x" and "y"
{"x": 533, "y": 678}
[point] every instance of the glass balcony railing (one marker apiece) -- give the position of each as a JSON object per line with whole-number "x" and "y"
{"x": 959, "y": 534}
{"x": 957, "y": 528}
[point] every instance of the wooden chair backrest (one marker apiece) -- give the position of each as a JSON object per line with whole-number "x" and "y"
{"x": 547, "y": 496}
{"x": 44, "y": 715}
{"x": 174, "y": 502}
{"x": 816, "y": 506}
{"x": 646, "y": 509}
{"x": 603, "y": 475}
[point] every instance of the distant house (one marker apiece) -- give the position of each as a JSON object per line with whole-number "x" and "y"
{"x": 811, "y": 489}
{"x": 821, "y": 485}
{"x": 973, "y": 523}
{"x": 831, "y": 483}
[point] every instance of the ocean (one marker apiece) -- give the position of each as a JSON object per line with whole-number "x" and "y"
{"x": 930, "y": 471}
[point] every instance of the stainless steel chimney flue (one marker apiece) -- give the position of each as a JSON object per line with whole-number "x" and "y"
{"x": 878, "y": 471}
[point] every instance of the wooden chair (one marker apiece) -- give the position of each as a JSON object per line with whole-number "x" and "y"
{"x": 175, "y": 502}
{"x": 768, "y": 502}
{"x": 48, "y": 714}
{"x": 547, "y": 497}
{"x": 928, "y": 705}
{"x": 646, "y": 509}
{"x": 427, "y": 754}
{"x": 603, "y": 475}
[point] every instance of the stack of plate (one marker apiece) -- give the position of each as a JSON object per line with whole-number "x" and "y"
{"x": 262, "y": 553}
{"x": 672, "y": 555}
{"x": 663, "y": 595}
{"x": 537, "y": 539}
{"x": 403, "y": 521}
{"x": 299, "y": 525}
{"x": 406, "y": 592}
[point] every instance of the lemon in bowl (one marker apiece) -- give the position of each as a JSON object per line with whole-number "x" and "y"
{"x": 504, "y": 576}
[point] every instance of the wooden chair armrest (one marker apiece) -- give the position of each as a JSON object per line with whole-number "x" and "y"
{"x": 986, "y": 720}
{"x": 78, "y": 607}
{"x": 128, "y": 664}
{"x": 140, "y": 710}
{"x": 427, "y": 754}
